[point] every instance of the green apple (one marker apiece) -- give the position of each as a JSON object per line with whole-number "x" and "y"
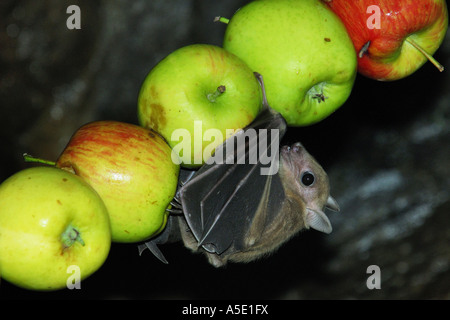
{"x": 131, "y": 169}
{"x": 196, "y": 97}
{"x": 50, "y": 220}
{"x": 303, "y": 51}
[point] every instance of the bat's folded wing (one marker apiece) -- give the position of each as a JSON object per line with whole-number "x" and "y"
{"x": 223, "y": 198}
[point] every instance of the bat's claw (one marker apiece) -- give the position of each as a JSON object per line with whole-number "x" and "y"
{"x": 161, "y": 238}
{"x": 174, "y": 210}
{"x": 151, "y": 245}
{"x": 175, "y": 206}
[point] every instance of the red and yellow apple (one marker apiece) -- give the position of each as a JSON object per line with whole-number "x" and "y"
{"x": 131, "y": 169}
{"x": 393, "y": 38}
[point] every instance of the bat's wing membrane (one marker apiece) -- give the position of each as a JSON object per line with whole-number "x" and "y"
{"x": 224, "y": 198}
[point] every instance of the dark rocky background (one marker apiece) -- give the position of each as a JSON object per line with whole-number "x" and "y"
{"x": 386, "y": 151}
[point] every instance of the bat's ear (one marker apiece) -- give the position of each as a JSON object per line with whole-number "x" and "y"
{"x": 332, "y": 204}
{"x": 317, "y": 220}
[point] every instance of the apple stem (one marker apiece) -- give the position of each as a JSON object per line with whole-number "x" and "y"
{"x": 70, "y": 236}
{"x": 426, "y": 54}
{"x": 213, "y": 96}
{"x": 29, "y": 158}
{"x": 221, "y": 19}
{"x": 364, "y": 49}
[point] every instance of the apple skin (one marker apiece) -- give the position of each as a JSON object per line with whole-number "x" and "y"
{"x": 389, "y": 56}
{"x": 131, "y": 169}
{"x": 302, "y": 50}
{"x": 175, "y": 94}
{"x": 37, "y": 205}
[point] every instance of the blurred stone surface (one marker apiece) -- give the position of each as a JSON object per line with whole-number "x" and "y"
{"x": 386, "y": 151}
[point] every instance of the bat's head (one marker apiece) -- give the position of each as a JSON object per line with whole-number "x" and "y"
{"x": 306, "y": 180}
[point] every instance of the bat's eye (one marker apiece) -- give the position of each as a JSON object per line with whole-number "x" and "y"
{"x": 308, "y": 178}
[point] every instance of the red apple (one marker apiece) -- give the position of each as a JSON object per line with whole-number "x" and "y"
{"x": 131, "y": 169}
{"x": 394, "y": 38}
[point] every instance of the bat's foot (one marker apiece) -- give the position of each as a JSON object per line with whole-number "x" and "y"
{"x": 152, "y": 246}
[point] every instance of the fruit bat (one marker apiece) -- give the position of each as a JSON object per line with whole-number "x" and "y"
{"x": 250, "y": 197}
